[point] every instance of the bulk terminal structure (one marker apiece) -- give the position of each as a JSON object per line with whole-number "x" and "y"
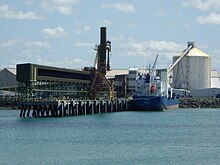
{"x": 51, "y": 91}
{"x": 99, "y": 82}
{"x": 43, "y": 82}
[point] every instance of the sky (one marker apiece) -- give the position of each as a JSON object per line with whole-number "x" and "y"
{"x": 63, "y": 33}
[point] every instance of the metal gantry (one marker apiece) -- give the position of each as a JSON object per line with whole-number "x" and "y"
{"x": 52, "y": 90}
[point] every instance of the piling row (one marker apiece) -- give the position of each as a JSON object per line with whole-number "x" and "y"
{"x": 71, "y": 108}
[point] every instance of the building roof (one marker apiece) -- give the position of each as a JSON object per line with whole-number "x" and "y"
{"x": 195, "y": 52}
{"x": 12, "y": 70}
{"x": 112, "y": 73}
{"x": 133, "y": 68}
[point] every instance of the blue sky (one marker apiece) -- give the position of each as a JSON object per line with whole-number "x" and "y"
{"x": 63, "y": 33}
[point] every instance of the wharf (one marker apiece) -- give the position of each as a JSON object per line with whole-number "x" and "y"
{"x": 70, "y": 107}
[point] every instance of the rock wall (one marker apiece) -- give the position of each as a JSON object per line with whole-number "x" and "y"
{"x": 199, "y": 103}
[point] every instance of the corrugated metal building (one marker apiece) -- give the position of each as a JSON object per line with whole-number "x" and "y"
{"x": 8, "y": 83}
{"x": 8, "y": 78}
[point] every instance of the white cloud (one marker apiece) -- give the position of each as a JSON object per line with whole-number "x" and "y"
{"x": 54, "y": 32}
{"x": 26, "y": 54}
{"x": 212, "y": 6}
{"x": 124, "y": 7}
{"x": 209, "y": 5}
{"x": 71, "y": 62}
{"x": 187, "y": 25}
{"x": 84, "y": 44}
{"x": 39, "y": 44}
{"x": 9, "y": 43}
{"x": 11, "y": 13}
{"x": 212, "y": 18}
{"x": 161, "y": 13}
{"x": 86, "y": 28}
{"x": 63, "y": 6}
{"x": 29, "y": 2}
{"x": 150, "y": 46}
{"x": 147, "y": 50}
{"x": 81, "y": 30}
{"x": 107, "y": 22}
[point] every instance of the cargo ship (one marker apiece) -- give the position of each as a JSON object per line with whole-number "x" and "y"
{"x": 152, "y": 94}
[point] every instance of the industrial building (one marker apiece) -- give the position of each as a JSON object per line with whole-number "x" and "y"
{"x": 132, "y": 74}
{"x": 193, "y": 71}
{"x": 212, "y": 92}
{"x": 8, "y": 78}
{"x": 8, "y": 83}
{"x": 123, "y": 80}
{"x": 38, "y": 81}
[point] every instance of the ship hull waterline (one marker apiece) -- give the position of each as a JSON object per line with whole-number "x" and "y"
{"x": 153, "y": 103}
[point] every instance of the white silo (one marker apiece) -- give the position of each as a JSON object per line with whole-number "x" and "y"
{"x": 193, "y": 71}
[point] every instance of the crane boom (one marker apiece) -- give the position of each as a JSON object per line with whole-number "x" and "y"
{"x": 155, "y": 61}
{"x": 180, "y": 58}
{"x": 154, "y": 66}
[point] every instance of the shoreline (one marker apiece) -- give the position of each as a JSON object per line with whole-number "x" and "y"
{"x": 199, "y": 103}
{"x": 184, "y": 103}
{"x": 9, "y": 108}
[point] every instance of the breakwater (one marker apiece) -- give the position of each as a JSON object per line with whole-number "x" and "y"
{"x": 199, "y": 103}
{"x": 8, "y": 103}
{"x": 70, "y": 108}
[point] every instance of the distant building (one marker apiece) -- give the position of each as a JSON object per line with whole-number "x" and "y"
{"x": 214, "y": 91}
{"x": 119, "y": 78}
{"x": 8, "y": 78}
{"x": 125, "y": 80}
{"x": 215, "y": 79}
{"x": 8, "y": 82}
{"x": 205, "y": 93}
{"x": 162, "y": 73}
{"x": 132, "y": 74}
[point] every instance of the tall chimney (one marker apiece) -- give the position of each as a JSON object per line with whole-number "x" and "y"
{"x": 103, "y": 50}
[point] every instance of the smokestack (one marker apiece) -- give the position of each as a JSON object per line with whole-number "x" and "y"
{"x": 103, "y": 50}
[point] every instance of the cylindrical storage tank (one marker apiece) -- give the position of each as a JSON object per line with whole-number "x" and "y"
{"x": 193, "y": 71}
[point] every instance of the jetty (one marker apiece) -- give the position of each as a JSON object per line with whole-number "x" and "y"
{"x": 70, "y": 107}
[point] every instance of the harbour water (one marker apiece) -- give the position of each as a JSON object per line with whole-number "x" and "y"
{"x": 183, "y": 136}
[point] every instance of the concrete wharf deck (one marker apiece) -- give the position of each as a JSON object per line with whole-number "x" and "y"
{"x": 70, "y": 107}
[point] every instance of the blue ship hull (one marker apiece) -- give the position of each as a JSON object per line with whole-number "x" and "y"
{"x": 153, "y": 103}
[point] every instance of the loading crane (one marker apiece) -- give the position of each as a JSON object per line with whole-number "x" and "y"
{"x": 101, "y": 86}
{"x": 190, "y": 46}
{"x": 170, "y": 69}
{"x": 154, "y": 66}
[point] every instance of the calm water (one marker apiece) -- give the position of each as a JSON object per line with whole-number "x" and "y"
{"x": 184, "y": 136}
